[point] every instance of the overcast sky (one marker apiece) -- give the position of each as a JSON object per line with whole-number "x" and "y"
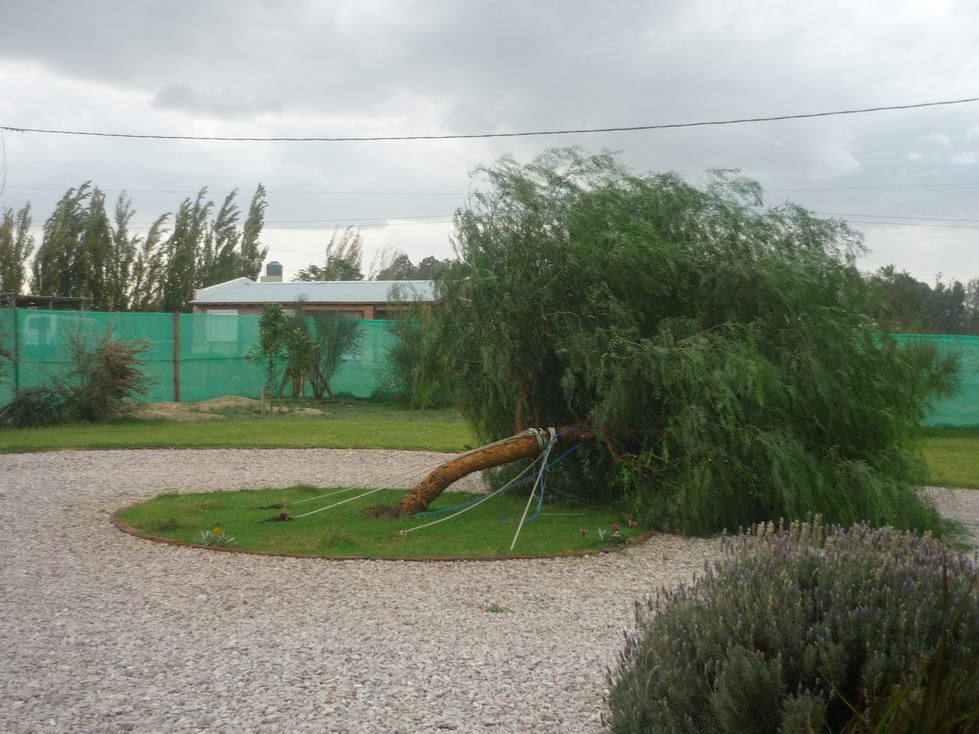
{"x": 358, "y": 68}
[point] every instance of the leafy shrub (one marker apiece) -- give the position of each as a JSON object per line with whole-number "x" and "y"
{"x": 103, "y": 382}
{"x": 404, "y": 359}
{"x": 796, "y": 626}
{"x": 105, "y": 377}
{"x": 42, "y": 405}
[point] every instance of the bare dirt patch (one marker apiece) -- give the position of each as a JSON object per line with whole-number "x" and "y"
{"x": 210, "y": 410}
{"x": 179, "y": 412}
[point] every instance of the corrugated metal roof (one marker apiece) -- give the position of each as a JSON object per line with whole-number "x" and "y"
{"x": 245, "y": 290}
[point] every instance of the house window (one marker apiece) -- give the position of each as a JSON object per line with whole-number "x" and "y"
{"x": 338, "y": 314}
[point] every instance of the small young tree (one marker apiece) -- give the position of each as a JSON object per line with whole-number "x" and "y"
{"x": 301, "y": 355}
{"x": 271, "y": 348}
{"x": 334, "y": 340}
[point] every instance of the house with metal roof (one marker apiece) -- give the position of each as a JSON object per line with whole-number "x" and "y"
{"x": 352, "y": 299}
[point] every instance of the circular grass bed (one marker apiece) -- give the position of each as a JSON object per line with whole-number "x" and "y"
{"x": 274, "y": 521}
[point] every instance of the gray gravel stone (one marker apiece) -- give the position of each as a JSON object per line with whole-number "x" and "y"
{"x": 102, "y": 631}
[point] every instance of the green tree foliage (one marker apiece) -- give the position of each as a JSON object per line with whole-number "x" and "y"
{"x": 251, "y": 253}
{"x": 342, "y": 259}
{"x": 185, "y": 256}
{"x": 16, "y": 246}
{"x": 104, "y": 380}
{"x": 905, "y": 304}
{"x": 398, "y": 266}
{"x": 106, "y": 375}
{"x": 86, "y": 253}
{"x": 270, "y": 352}
{"x": 723, "y": 353}
{"x": 58, "y": 267}
{"x": 316, "y": 344}
{"x": 335, "y": 339}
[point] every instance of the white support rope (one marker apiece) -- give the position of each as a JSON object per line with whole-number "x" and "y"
{"x": 540, "y": 474}
{"x": 341, "y": 502}
{"x": 390, "y": 480}
{"x": 319, "y": 497}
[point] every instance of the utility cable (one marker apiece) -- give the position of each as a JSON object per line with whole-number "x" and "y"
{"x": 570, "y": 131}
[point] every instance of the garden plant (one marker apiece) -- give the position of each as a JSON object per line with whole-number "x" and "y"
{"x": 808, "y": 628}
{"x": 103, "y": 381}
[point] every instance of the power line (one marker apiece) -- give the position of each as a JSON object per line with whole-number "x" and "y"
{"x": 355, "y": 220}
{"x": 571, "y": 131}
{"x": 359, "y": 224}
{"x": 882, "y": 186}
{"x": 895, "y": 216}
{"x": 268, "y": 191}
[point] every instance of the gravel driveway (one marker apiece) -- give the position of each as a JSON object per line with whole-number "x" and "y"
{"x": 105, "y": 632}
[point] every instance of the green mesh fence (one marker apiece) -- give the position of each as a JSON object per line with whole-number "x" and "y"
{"x": 962, "y": 409}
{"x": 210, "y": 354}
{"x": 212, "y": 349}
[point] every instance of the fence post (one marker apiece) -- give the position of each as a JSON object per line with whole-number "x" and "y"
{"x": 176, "y": 356}
{"x": 16, "y": 352}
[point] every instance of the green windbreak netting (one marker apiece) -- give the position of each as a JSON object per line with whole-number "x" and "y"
{"x": 41, "y": 340}
{"x": 210, "y": 355}
{"x": 212, "y": 349}
{"x": 962, "y": 409}
{"x": 7, "y": 343}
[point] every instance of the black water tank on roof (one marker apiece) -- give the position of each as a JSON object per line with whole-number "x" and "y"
{"x": 274, "y": 268}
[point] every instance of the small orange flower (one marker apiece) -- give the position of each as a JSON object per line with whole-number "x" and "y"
{"x": 217, "y": 530}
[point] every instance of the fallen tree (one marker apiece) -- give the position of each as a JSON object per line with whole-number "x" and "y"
{"x": 526, "y": 445}
{"x": 723, "y": 352}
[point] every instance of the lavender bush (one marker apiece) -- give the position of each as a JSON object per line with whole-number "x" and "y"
{"x": 800, "y": 629}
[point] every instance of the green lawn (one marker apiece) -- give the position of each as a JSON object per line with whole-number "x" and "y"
{"x": 365, "y": 428}
{"x": 953, "y": 456}
{"x": 351, "y": 529}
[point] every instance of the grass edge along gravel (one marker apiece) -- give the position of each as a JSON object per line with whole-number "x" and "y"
{"x": 242, "y": 520}
{"x": 245, "y": 433}
{"x": 952, "y": 454}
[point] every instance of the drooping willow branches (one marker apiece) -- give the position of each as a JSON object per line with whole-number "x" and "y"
{"x": 735, "y": 338}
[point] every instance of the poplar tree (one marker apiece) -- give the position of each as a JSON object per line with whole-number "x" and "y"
{"x": 55, "y": 270}
{"x": 183, "y": 252}
{"x": 16, "y": 246}
{"x": 252, "y": 253}
{"x": 343, "y": 259}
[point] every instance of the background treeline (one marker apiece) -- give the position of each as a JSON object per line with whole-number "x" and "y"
{"x": 87, "y": 251}
{"x": 910, "y": 306}
{"x": 90, "y": 252}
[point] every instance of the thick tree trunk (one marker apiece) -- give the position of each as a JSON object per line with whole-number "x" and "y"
{"x": 524, "y": 446}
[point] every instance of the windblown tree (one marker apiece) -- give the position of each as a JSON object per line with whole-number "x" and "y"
{"x": 85, "y": 252}
{"x": 16, "y": 246}
{"x": 334, "y": 340}
{"x": 720, "y": 353}
{"x": 905, "y": 304}
{"x": 396, "y": 265}
{"x": 343, "y": 259}
{"x": 205, "y": 248}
